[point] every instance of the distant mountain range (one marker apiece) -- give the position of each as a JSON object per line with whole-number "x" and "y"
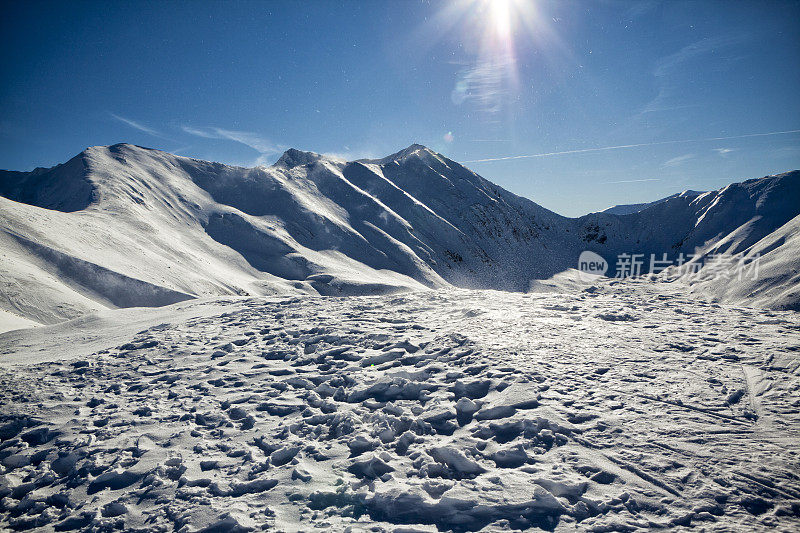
{"x": 627, "y": 209}
{"x": 124, "y": 226}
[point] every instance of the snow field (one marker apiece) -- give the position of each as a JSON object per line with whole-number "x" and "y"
{"x": 624, "y": 407}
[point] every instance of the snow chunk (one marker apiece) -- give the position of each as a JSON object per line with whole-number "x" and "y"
{"x": 456, "y": 461}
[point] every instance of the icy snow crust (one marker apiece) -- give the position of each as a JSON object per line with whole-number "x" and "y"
{"x": 125, "y": 226}
{"x": 621, "y": 407}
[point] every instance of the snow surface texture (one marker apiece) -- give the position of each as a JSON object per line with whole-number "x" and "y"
{"x": 622, "y": 406}
{"x": 125, "y": 226}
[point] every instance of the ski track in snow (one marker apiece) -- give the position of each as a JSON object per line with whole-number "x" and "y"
{"x": 621, "y": 407}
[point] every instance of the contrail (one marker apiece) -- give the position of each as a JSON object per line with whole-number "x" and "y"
{"x": 624, "y": 146}
{"x": 631, "y": 181}
{"x": 136, "y": 125}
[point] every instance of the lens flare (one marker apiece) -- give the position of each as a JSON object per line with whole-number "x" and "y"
{"x": 491, "y": 34}
{"x": 501, "y": 17}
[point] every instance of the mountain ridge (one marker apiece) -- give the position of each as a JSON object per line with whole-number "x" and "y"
{"x": 127, "y": 216}
{"x": 627, "y": 209}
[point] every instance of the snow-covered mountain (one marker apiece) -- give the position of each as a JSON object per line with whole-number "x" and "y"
{"x": 125, "y": 226}
{"x": 627, "y": 209}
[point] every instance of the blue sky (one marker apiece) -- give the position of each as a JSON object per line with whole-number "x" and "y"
{"x": 706, "y": 91}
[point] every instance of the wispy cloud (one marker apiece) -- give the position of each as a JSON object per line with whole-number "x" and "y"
{"x": 178, "y": 150}
{"x": 351, "y": 155}
{"x": 723, "y": 151}
{"x": 138, "y": 125}
{"x": 249, "y": 139}
{"x": 627, "y": 146}
{"x": 676, "y": 161}
{"x": 630, "y": 181}
{"x": 653, "y": 106}
{"x": 667, "y": 72}
{"x": 200, "y": 133}
{"x": 253, "y": 140}
{"x": 486, "y": 84}
{"x": 640, "y": 8}
{"x": 668, "y": 64}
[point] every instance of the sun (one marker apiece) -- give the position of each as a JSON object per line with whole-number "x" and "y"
{"x": 500, "y": 21}
{"x": 492, "y": 34}
{"x": 500, "y": 12}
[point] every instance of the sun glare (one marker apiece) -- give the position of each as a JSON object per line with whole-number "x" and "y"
{"x": 492, "y": 34}
{"x": 501, "y": 17}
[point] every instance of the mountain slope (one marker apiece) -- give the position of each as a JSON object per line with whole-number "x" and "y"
{"x": 730, "y": 221}
{"x": 764, "y": 274}
{"x": 627, "y": 209}
{"x": 123, "y": 226}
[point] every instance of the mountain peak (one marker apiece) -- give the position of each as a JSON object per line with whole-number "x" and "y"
{"x": 123, "y": 147}
{"x": 418, "y": 150}
{"x": 414, "y": 149}
{"x": 293, "y": 157}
